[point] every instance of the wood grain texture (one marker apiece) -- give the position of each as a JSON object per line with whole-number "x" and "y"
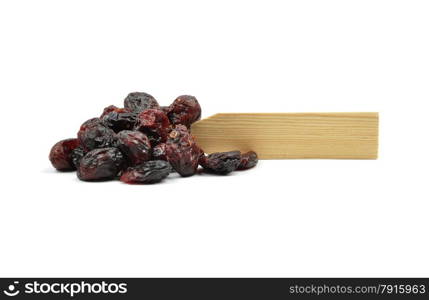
{"x": 291, "y": 135}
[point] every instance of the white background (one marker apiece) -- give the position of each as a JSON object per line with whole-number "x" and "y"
{"x": 62, "y": 62}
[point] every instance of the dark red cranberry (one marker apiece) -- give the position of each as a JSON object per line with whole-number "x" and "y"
{"x": 61, "y": 154}
{"x": 120, "y": 119}
{"x": 182, "y": 151}
{"x": 221, "y": 162}
{"x": 138, "y": 102}
{"x": 101, "y": 164}
{"x": 135, "y": 145}
{"x": 248, "y": 160}
{"x": 108, "y": 109}
{"x": 185, "y": 110}
{"x": 155, "y": 124}
{"x": 94, "y": 134}
{"x": 149, "y": 172}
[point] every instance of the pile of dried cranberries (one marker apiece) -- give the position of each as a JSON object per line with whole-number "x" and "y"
{"x": 142, "y": 143}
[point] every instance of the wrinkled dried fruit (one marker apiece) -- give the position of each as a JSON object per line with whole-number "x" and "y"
{"x": 138, "y": 102}
{"x": 135, "y": 145}
{"x": 155, "y": 124}
{"x": 182, "y": 151}
{"x": 221, "y": 162}
{"x": 158, "y": 152}
{"x": 185, "y": 110}
{"x": 149, "y": 172}
{"x": 120, "y": 119}
{"x": 61, "y": 154}
{"x": 94, "y": 134}
{"x": 77, "y": 154}
{"x": 108, "y": 109}
{"x": 101, "y": 164}
{"x": 90, "y": 123}
{"x": 248, "y": 160}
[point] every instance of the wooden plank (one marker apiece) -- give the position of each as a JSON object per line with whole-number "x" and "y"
{"x": 291, "y": 135}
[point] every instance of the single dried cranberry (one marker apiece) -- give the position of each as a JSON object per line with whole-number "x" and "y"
{"x": 120, "y": 119}
{"x": 135, "y": 145}
{"x": 158, "y": 152}
{"x": 221, "y": 162}
{"x": 61, "y": 154}
{"x": 149, "y": 172}
{"x": 101, "y": 164}
{"x": 108, "y": 109}
{"x": 185, "y": 110}
{"x": 182, "y": 151}
{"x": 248, "y": 160}
{"x": 94, "y": 134}
{"x": 155, "y": 124}
{"x": 90, "y": 123}
{"x": 138, "y": 102}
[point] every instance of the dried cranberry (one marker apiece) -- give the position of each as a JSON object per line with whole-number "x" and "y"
{"x": 90, "y": 123}
{"x": 61, "y": 154}
{"x": 185, "y": 110}
{"x": 221, "y": 162}
{"x": 182, "y": 151}
{"x": 155, "y": 124}
{"x": 120, "y": 119}
{"x": 135, "y": 145}
{"x": 149, "y": 172}
{"x": 94, "y": 134}
{"x": 248, "y": 160}
{"x": 108, "y": 109}
{"x": 101, "y": 164}
{"x": 138, "y": 102}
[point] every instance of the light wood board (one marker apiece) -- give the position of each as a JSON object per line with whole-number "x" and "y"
{"x": 291, "y": 135}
